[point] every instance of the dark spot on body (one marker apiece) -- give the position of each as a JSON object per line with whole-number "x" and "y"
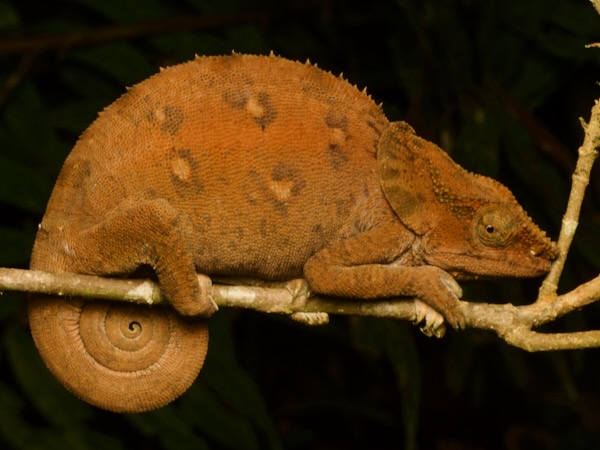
{"x": 285, "y": 173}
{"x": 318, "y": 231}
{"x": 280, "y": 207}
{"x": 336, "y": 119}
{"x": 366, "y": 190}
{"x": 169, "y": 119}
{"x": 337, "y": 156}
{"x": 267, "y": 113}
{"x": 372, "y": 126}
{"x": 259, "y": 105}
{"x": 173, "y": 120}
{"x": 239, "y": 232}
{"x": 202, "y": 223}
{"x": 262, "y": 228}
{"x": 344, "y": 206}
{"x": 78, "y": 173}
{"x": 237, "y": 99}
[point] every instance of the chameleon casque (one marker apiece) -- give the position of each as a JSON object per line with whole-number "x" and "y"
{"x": 261, "y": 167}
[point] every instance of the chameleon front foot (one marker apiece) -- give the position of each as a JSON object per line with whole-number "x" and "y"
{"x": 430, "y": 322}
{"x": 300, "y": 292}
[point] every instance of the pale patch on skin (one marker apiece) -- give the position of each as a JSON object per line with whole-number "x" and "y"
{"x": 181, "y": 168}
{"x": 338, "y": 136}
{"x": 282, "y": 189}
{"x": 255, "y": 108}
{"x": 159, "y": 114}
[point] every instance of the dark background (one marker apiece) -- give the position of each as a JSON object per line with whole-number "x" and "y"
{"x": 500, "y": 85}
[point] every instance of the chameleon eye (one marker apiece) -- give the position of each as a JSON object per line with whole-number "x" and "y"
{"x": 494, "y": 226}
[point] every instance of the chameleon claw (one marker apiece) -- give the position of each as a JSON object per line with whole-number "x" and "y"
{"x": 311, "y": 318}
{"x": 431, "y": 323}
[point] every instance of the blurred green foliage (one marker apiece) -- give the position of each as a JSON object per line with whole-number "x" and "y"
{"x": 500, "y": 85}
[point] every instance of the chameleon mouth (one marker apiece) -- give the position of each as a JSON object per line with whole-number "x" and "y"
{"x": 469, "y": 267}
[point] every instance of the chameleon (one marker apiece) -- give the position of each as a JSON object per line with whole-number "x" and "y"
{"x": 258, "y": 167}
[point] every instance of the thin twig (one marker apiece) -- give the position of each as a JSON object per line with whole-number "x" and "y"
{"x": 581, "y": 177}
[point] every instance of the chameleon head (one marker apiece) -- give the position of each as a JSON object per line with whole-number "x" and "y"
{"x": 467, "y": 224}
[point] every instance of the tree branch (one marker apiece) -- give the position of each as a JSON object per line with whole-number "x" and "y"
{"x": 266, "y": 297}
{"x": 581, "y": 176}
{"x": 512, "y": 323}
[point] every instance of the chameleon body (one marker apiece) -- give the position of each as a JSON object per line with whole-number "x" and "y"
{"x": 253, "y": 166}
